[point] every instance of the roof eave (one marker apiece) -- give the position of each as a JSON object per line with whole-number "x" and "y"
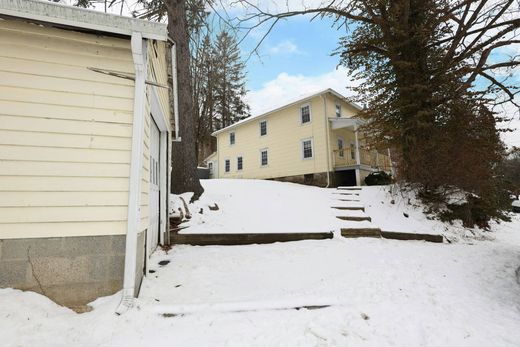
{"x": 75, "y": 17}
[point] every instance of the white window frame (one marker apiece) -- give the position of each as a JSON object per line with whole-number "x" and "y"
{"x": 341, "y": 151}
{"x": 210, "y": 167}
{"x": 301, "y": 114}
{"x": 260, "y": 127}
{"x": 267, "y": 156}
{"x": 240, "y": 156}
{"x": 340, "y": 111}
{"x": 302, "y": 141}
{"x": 234, "y": 138}
{"x": 225, "y": 161}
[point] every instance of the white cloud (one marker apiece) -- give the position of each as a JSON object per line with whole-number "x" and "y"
{"x": 285, "y": 88}
{"x": 285, "y": 47}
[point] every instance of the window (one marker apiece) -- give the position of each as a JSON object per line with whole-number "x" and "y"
{"x": 210, "y": 167}
{"x": 353, "y": 151}
{"x": 338, "y": 110}
{"x": 341, "y": 145}
{"x": 305, "y": 112}
{"x": 263, "y": 128}
{"x": 263, "y": 157}
{"x": 240, "y": 163}
{"x": 307, "y": 149}
{"x": 227, "y": 165}
{"x": 232, "y": 138}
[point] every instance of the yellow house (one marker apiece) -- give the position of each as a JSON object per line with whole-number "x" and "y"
{"x": 85, "y": 133}
{"x": 314, "y": 140}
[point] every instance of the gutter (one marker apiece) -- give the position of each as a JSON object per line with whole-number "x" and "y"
{"x": 139, "y": 46}
{"x": 327, "y": 138}
{"x": 175, "y": 86}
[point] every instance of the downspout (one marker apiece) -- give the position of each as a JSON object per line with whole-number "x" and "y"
{"x": 175, "y": 87}
{"x": 134, "y": 194}
{"x": 358, "y": 157}
{"x": 327, "y": 138}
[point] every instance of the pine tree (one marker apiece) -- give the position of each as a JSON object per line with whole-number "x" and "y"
{"x": 230, "y": 90}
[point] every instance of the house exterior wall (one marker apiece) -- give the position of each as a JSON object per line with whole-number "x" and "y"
{"x": 65, "y": 152}
{"x": 283, "y": 141}
{"x": 65, "y": 133}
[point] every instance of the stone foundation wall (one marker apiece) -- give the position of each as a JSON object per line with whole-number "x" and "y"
{"x": 315, "y": 179}
{"x": 72, "y": 271}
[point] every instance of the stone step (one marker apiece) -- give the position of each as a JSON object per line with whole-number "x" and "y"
{"x": 349, "y": 188}
{"x": 355, "y": 218}
{"x": 361, "y": 232}
{"x": 351, "y": 200}
{"x": 345, "y": 193}
{"x": 360, "y": 208}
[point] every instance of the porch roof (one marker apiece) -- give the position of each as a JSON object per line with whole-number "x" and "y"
{"x": 338, "y": 123}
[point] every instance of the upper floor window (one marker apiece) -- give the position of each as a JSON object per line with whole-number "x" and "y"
{"x": 263, "y": 128}
{"x": 227, "y": 165}
{"x": 338, "y": 110}
{"x": 232, "y": 138}
{"x": 307, "y": 149}
{"x": 240, "y": 163}
{"x": 263, "y": 157}
{"x": 305, "y": 113}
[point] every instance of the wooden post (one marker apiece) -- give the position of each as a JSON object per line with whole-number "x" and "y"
{"x": 358, "y": 158}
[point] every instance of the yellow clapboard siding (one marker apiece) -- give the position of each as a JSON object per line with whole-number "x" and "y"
{"x": 90, "y": 38}
{"x": 32, "y": 153}
{"x": 63, "y": 45}
{"x": 76, "y": 73}
{"x": 66, "y": 85}
{"x": 62, "y": 184}
{"x": 25, "y": 138}
{"x": 64, "y": 229}
{"x": 46, "y": 125}
{"x": 70, "y": 99}
{"x": 62, "y": 214}
{"x": 26, "y": 109}
{"x": 40, "y": 199}
{"x": 32, "y": 168}
{"x": 70, "y": 58}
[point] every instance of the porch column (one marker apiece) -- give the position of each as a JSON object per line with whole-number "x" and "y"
{"x": 358, "y": 158}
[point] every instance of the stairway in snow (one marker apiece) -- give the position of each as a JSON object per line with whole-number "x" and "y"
{"x": 350, "y": 209}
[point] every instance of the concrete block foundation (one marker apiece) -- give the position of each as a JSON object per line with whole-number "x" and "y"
{"x": 71, "y": 271}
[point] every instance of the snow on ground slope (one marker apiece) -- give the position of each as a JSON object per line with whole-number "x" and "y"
{"x": 384, "y": 293}
{"x": 258, "y": 206}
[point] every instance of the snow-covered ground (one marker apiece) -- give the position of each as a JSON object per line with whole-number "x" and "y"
{"x": 376, "y": 292}
{"x": 382, "y": 292}
{"x": 257, "y": 206}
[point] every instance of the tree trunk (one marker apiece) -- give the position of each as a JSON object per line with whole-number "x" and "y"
{"x": 184, "y": 154}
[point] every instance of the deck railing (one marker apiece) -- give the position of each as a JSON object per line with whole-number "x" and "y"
{"x": 347, "y": 157}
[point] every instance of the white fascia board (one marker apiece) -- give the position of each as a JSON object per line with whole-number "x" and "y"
{"x": 75, "y": 17}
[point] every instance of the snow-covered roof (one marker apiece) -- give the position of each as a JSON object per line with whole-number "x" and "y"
{"x": 76, "y": 17}
{"x": 516, "y": 203}
{"x": 300, "y": 99}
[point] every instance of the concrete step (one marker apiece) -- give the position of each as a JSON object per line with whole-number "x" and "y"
{"x": 355, "y": 218}
{"x": 361, "y": 232}
{"x": 353, "y": 200}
